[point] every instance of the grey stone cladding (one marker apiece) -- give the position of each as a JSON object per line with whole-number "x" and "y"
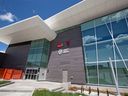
{"x": 71, "y": 62}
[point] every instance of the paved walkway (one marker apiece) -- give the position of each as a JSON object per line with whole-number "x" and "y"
{"x": 26, "y": 87}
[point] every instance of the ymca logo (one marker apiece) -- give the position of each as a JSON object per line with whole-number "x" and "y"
{"x": 60, "y": 45}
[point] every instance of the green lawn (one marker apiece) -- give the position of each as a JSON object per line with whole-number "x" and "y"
{"x": 4, "y": 82}
{"x": 48, "y": 93}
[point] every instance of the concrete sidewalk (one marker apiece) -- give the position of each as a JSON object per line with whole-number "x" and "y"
{"x": 26, "y": 87}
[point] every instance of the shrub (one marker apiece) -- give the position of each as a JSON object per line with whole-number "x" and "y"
{"x": 125, "y": 94}
{"x": 4, "y": 82}
{"x": 49, "y": 93}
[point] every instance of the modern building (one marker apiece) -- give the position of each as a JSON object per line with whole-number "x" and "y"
{"x": 75, "y": 45}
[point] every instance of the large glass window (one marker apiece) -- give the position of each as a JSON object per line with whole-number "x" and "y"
{"x": 38, "y": 53}
{"x": 104, "y": 38}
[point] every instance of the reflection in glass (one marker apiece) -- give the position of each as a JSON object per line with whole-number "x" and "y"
{"x": 119, "y": 28}
{"x": 91, "y": 49}
{"x": 92, "y": 73}
{"x": 99, "y": 45}
{"x": 38, "y": 54}
{"x": 105, "y": 50}
{"x": 89, "y": 36}
{"x": 122, "y": 73}
{"x": 105, "y": 74}
{"x": 122, "y": 44}
{"x": 102, "y": 32}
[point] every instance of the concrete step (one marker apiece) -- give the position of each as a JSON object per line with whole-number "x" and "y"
{"x": 59, "y": 89}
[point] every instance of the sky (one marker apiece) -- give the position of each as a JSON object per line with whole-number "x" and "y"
{"x": 12, "y": 11}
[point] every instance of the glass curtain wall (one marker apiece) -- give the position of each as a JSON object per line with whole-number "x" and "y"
{"x": 104, "y": 38}
{"x": 38, "y": 54}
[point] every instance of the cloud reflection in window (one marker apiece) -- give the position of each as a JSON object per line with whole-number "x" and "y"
{"x": 121, "y": 38}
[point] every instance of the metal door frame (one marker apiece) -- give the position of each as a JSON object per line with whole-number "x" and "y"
{"x": 31, "y": 74}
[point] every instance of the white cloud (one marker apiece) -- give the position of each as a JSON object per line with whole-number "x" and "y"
{"x": 121, "y": 38}
{"x": 122, "y": 35}
{"x": 89, "y": 38}
{"x": 8, "y": 17}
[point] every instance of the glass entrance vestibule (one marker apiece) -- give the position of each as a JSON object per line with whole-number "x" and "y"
{"x": 37, "y": 61}
{"x": 104, "y": 38}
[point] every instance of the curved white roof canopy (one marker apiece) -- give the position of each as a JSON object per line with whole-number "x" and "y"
{"x": 29, "y": 29}
{"x": 84, "y": 11}
{"x": 35, "y": 28}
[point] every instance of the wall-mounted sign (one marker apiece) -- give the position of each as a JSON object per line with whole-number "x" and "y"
{"x": 63, "y": 51}
{"x": 60, "y": 45}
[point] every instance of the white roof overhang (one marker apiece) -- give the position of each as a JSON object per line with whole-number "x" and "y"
{"x": 84, "y": 11}
{"x": 35, "y": 28}
{"x": 29, "y": 29}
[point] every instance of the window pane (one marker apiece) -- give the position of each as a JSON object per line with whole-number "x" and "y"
{"x": 102, "y": 32}
{"x": 122, "y": 73}
{"x": 123, "y": 47}
{"x": 105, "y": 50}
{"x": 105, "y": 74}
{"x": 90, "y": 52}
{"x": 38, "y": 57}
{"x": 119, "y": 28}
{"x": 88, "y": 36}
{"x": 92, "y": 73}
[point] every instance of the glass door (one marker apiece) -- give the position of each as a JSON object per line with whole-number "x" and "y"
{"x": 31, "y": 73}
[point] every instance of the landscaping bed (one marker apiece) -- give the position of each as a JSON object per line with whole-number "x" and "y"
{"x": 49, "y": 93}
{"x": 4, "y": 83}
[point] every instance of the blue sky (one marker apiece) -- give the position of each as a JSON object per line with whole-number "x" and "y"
{"x": 15, "y": 10}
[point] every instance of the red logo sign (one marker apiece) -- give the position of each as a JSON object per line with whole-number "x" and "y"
{"x": 60, "y": 44}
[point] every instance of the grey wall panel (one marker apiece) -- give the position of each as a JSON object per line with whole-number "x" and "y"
{"x": 17, "y": 56}
{"x": 72, "y": 61}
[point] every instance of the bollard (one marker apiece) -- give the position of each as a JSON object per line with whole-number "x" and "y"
{"x": 82, "y": 89}
{"x": 107, "y": 93}
{"x": 98, "y": 91}
{"x": 89, "y": 90}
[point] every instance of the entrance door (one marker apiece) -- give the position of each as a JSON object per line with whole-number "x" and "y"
{"x": 31, "y": 73}
{"x": 42, "y": 74}
{"x": 65, "y": 76}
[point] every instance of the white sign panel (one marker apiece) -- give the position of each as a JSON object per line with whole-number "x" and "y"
{"x": 63, "y": 51}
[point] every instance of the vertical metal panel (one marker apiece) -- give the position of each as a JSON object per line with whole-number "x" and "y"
{"x": 16, "y": 56}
